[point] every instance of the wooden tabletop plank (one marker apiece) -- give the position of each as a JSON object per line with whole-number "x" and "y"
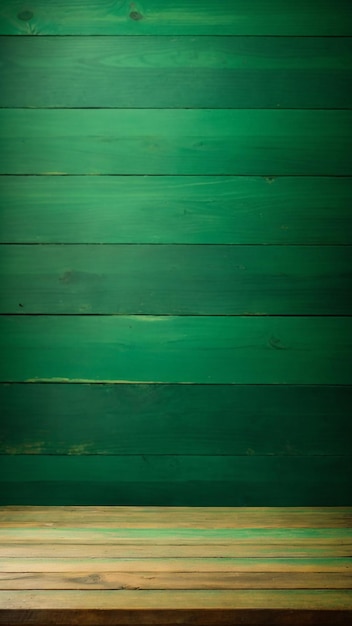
{"x": 174, "y": 600}
{"x": 195, "y": 550}
{"x": 175, "y": 565}
{"x": 175, "y": 517}
{"x": 162, "y": 536}
{"x": 170, "y": 580}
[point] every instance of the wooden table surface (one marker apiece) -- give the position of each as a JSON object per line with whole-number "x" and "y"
{"x": 159, "y": 565}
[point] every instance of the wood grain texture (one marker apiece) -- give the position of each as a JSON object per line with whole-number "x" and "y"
{"x": 188, "y": 17}
{"x": 175, "y": 600}
{"x": 270, "y": 566}
{"x": 179, "y": 481}
{"x": 171, "y": 536}
{"x": 176, "y": 280}
{"x": 158, "y": 551}
{"x": 264, "y": 350}
{"x": 175, "y": 142}
{"x": 174, "y": 419}
{"x": 182, "y": 517}
{"x": 169, "y": 209}
{"x": 168, "y": 580}
{"x": 203, "y": 72}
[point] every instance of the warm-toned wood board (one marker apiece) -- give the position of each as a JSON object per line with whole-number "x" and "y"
{"x": 188, "y": 17}
{"x": 179, "y": 536}
{"x": 168, "y": 580}
{"x": 172, "y": 599}
{"x": 173, "y": 419}
{"x": 272, "y": 566}
{"x": 203, "y": 72}
{"x": 182, "y": 209}
{"x": 137, "y": 551}
{"x": 169, "y": 517}
{"x": 294, "y": 350}
{"x": 176, "y": 279}
{"x": 177, "y": 481}
{"x": 155, "y": 141}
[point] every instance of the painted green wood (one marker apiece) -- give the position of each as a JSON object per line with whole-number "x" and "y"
{"x": 122, "y": 419}
{"x": 168, "y": 209}
{"x": 176, "y": 279}
{"x": 176, "y": 72}
{"x": 189, "y": 17}
{"x": 295, "y": 350}
{"x": 157, "y": 141}
{"x": 176, "y": 481}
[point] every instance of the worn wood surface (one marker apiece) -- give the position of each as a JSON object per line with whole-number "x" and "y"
{"x": 176, "y": 280}
{"x": 180, "y": 481}
{"x": 163, "y": 141}
{"x": 176, "y": 209}
{"x": 263, "y": 350}
{"x": 176, "y": 72}
{"x": 174, "y": 419}
{"x": 155, "y": 588}
{"x": 187, "y": 17}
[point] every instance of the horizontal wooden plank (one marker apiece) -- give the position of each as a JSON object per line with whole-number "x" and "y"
{"x": 158, "y": 551}
{"x": 154, "y": 141}
{"x": 203, "y": 72}
{"x": 176, "y": 481}
{"x": 265, "y": 350}
{"x": 175, "y": 419}
{"x": 155, "y": 17}
{"x": 176, "y": 280}
{"x": 179, "y": 536}
{"x": 166, "y": 580}
{"x": 169, "y": 209}
{"x": 176, "y": 600}
{"x": 172, "y": 517}
{"x": 270, "y": 566}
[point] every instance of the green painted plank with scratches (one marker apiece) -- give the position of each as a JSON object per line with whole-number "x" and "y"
{"x": 294, "y": 350}
{"x": 252, "y": 420}
{"x": 176, "y": 279}
{"x": 177, "y": 142}
{"x": 182, "y": 209}
{"x": 181, "y": 481}
{"x": 187, "y": 17}
{"x": 176, "y": 72}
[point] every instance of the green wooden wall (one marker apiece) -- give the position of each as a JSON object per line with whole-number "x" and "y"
{"x": 175, "y": 260}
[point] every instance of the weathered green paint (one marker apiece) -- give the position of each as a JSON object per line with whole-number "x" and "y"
{"x": 186, "y": 17}
{"x": 250, "y": 420}
{"x": 175, "y": 142}
{"x": 176, "y": 279}
{"x": 176, "y": 209}
{"x": 294, "y": 350}
{"x": 176, "y": 72}
{"x": 178, "y": 480}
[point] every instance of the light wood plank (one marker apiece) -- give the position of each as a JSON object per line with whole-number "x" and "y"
{"x": 176, "y": 600}
{"x": 160, "y": 536}
{"x": 175, "y": 565}
{"x": 191, "y": 551}
{"x": 171, "y": 517}
{"x": 186, "y": 581}
{"x": 154, "y": 141}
